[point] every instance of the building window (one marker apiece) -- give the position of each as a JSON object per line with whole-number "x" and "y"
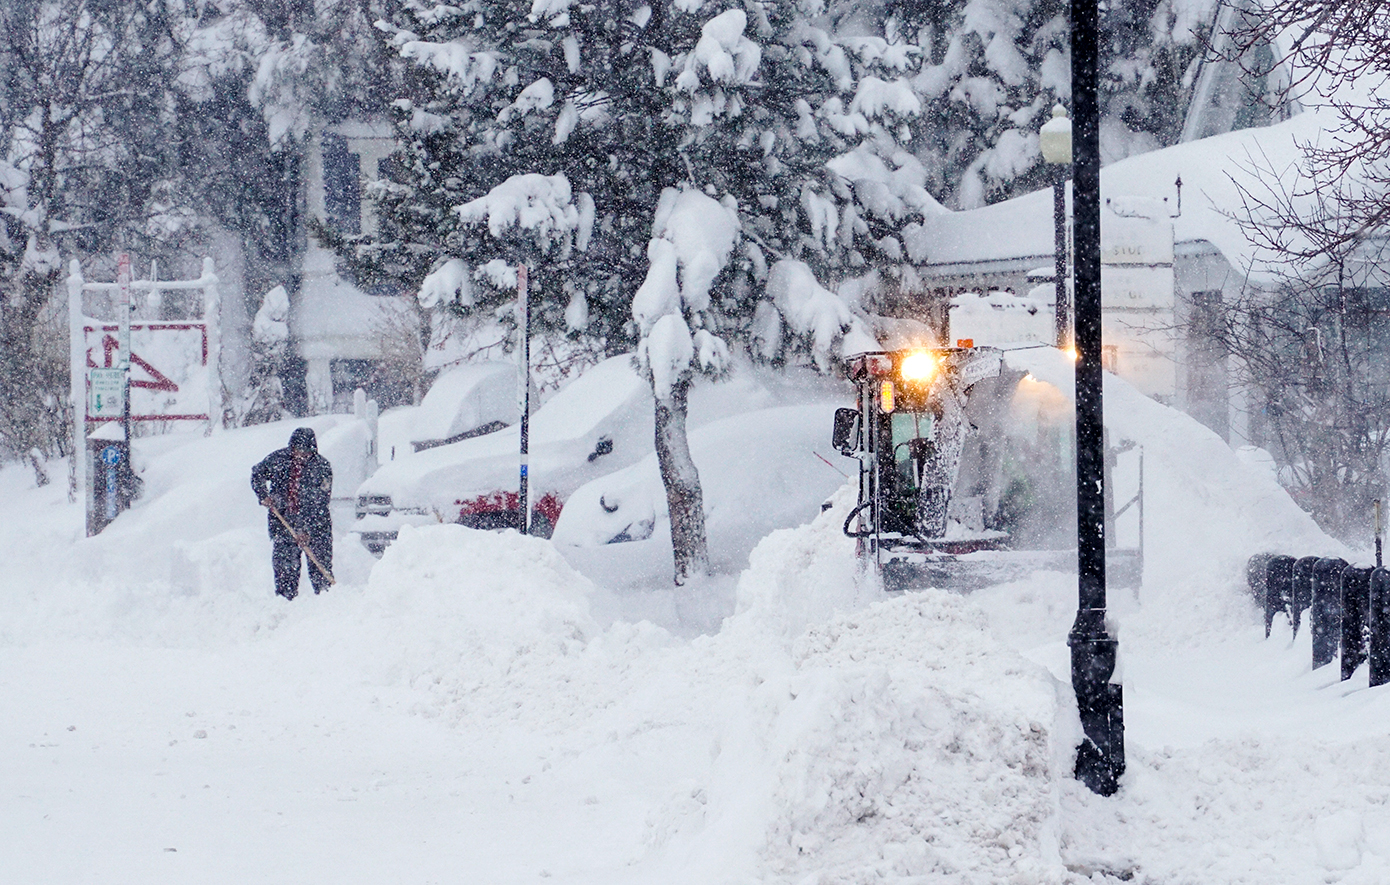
{"x": 342, "y": 184}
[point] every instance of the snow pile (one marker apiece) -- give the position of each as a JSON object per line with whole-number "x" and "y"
{"x": 189, "y": 564}
{"x": 1206, "y": 511}
{"x": 803, "y": 576}
{"x": 482, "y": 611}
{"x": 897, "y": 740}
{"x": 1280, "y": 779}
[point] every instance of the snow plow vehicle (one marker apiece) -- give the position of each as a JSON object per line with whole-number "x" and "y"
{"x": 966, "y": 471}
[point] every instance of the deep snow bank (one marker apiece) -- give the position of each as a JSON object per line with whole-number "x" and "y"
{"x": 188, "y": 564}
{"x": 1206, "y": 512}
{"x": 894, "y": 740}
{"x": 483, "y": 620}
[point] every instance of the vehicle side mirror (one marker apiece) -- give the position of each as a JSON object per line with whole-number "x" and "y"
{"x": 845, "y": 438}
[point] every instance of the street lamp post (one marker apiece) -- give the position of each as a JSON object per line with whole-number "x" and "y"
{"x": 1055, "y": 142}
{"x": 1100, "y": 759}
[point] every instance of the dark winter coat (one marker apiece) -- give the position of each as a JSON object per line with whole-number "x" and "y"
{"x": 271, "y": 478}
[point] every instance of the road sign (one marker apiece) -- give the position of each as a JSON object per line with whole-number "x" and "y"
{"x": 111, "y": 456}
{"x": 107, "y": 393}
{"x": 123, "y": 308}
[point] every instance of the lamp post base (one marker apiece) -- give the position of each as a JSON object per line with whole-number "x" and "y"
{"x": 1100, "y": 758}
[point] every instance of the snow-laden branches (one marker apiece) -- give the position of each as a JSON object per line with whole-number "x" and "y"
{"x": 694, "y": 235}
{"x": 539, "y": 207}
{"x": 815, "y": 315}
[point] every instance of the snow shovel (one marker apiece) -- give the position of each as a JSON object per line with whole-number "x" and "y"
{"x": 302, "y": 546}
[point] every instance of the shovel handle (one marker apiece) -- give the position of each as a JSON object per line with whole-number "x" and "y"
{"x": 307, "y": 552}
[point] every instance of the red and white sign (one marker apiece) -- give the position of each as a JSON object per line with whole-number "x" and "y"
{"x": 168, "y": 368}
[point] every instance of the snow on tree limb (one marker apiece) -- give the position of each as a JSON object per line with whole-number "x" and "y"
{"x": 703, "y": 232}
{"x": 659, "y": 294}
{"x": 694, "y": 235}
{"x": 449, "y": 283}
{"x": 540, "y": 204}
{"x": 814, "y": 313}
{"x": 666, "y": 351}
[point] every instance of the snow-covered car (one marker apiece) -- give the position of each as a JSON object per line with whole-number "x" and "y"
{"x": 600, "y": 422}
{"x": 760, "y": 470}
{"x": 464, "y": 401}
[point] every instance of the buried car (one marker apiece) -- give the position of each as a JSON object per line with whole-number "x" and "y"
{"x": 600, "y": 422}
{"x": 759, "y": 471}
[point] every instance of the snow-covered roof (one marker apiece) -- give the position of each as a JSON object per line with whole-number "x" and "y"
{"x": 1022, "y": 228}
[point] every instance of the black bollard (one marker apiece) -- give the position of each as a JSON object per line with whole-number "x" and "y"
{"x": 1325, "y": 614}
{"x": 1356, "y": 604}
{"x": 1380, "y": 626}
{"x": 1256, "y": 572}
{"x": 1302, "y": 589}
{"x": 1278, "y": 589}
{"x": 1257, "y": 581}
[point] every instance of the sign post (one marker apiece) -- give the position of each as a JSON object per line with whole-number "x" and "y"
{"x": 102, "y": 394}
{"x": 123, "y": 339}
{"x": 523, "y": 323}
{"x": 111, "y": 458}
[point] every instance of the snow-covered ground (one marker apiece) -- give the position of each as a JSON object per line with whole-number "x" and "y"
{"x": 470, "y": 708}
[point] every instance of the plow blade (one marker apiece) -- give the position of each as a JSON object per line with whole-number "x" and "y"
{"x": 963, "y": 573}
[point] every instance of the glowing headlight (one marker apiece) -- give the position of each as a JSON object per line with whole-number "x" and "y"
{"x": 917, "y": 367}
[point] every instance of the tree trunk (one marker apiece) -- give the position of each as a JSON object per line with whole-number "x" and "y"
{"x": 689, "y": 543}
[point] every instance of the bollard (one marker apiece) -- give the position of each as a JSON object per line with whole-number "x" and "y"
{"x": 1325, "y": 612}
{"x": 1256, "y": 571}
{"x": 1302, "y": 589}
{"x": 1379, "y": 626}
{"x": 1257, "y": 580}
{"x": 1356, "y": 603}
{"x": 1278, "y": 589}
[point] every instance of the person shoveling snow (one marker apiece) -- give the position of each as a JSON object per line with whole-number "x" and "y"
{"x": 295, "y": 485}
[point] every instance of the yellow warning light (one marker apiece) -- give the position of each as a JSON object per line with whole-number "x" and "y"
{"x": 886, "y": 397}
{"x": 917, "y": 367}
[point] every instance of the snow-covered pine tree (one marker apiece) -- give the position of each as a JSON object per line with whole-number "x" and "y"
{"x": 499, "y": 88}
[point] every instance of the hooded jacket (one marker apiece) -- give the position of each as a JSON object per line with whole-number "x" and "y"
{"x": 273, "y": 477}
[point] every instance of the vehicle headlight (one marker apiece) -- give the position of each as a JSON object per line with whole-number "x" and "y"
{"x": 917, "y": 368}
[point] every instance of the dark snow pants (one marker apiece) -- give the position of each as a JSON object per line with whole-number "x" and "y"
{"x": 286, "y": 558}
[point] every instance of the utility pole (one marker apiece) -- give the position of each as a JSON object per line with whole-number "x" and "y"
{"x": 1100, "y": 759}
